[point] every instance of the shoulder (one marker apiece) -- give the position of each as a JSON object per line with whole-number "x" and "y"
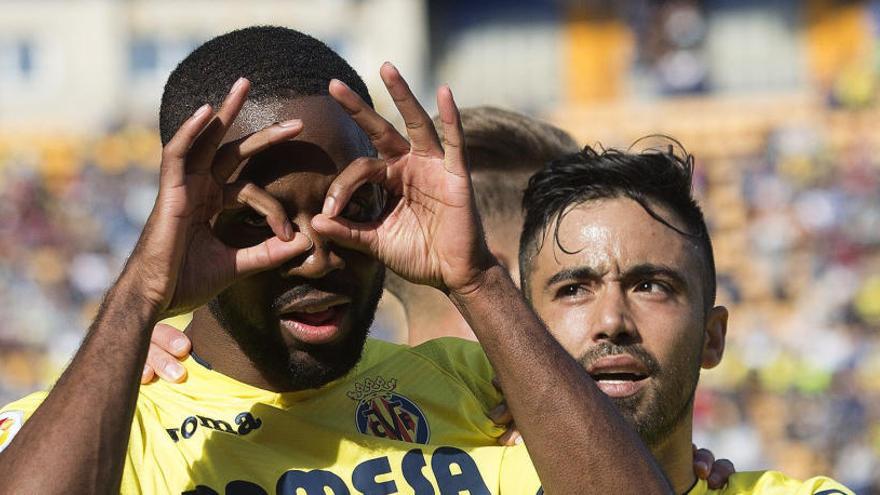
{"x": 760, "y": 482}
{"x": 459, "y": 360}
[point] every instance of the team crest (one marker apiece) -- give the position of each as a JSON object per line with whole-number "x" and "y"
{"x": 384, "y": 413}
{"x": 10, "y": 423}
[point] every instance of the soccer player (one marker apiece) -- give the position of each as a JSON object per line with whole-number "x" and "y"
{"x": 504, "y": 149}
{"x": 615, "y": 257}
{"x": 275, "y": 221}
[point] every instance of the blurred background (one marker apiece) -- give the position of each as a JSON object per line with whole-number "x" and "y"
{"x": 777, "y": 99}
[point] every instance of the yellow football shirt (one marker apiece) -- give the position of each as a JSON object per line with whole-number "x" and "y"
{"x": 772, "y": 483}
{"x": 405, "y": 420}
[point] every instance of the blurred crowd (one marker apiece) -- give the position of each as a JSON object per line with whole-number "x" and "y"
{"x": 798, "y": 387}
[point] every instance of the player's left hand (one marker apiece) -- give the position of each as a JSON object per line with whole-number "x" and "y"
{"x": 430, "y": 232}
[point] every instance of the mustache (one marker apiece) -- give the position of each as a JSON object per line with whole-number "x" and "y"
{"x": 302, "y": 291}
{"x": 605, "y": 349}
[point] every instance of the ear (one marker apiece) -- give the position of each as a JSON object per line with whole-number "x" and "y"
{"x": 714, "y": 338}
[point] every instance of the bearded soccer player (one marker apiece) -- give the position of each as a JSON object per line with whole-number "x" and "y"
{"x": 504, "y": 149}
{"x": 274, "y": 222}
{"x": 615, "y": 257}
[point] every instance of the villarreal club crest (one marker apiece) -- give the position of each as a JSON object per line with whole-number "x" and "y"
{"x": 384, "y": 413}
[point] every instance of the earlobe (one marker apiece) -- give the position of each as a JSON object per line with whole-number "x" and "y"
{"x": 715, "y": 335}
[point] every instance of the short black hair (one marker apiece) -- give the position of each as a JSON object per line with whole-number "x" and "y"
{"x": 650, "y": 177}
{"x": 279, "y": 62}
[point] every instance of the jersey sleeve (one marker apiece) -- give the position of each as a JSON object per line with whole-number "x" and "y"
{"x": 14, "y": 415}
{"x": 821, "y": 485}
{"x": 518, "y": 475}
{"x": 773, "y": 482}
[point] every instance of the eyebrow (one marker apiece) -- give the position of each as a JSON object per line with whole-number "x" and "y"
{"x": 643, "y": 270}
{"x": 576, "y": 273}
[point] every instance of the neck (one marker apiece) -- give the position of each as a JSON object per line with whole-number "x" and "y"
{"x": 676, "y": 457}
{"x": 216, "y": 346}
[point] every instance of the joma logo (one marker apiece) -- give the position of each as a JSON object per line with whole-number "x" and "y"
{"x": 245, "y": 423}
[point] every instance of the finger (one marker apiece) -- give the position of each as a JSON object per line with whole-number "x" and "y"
{"x": 721, "y": 471}
{"x": 453, "y": 134}
{"x": 510, "y": 437}
{"x": 174, "y": 152}
{"x": 231, "y": 154}
{"x": 243, "y": 194}
{"x": 703, "y": 460}
{"x": 500, "y": 414}
{"x": 166, "y": 366}
{"x": 422, "y": 135}
{"x": 147, "y": 375}
{"x": 496, "y": 382}
{"x": 385, "y": 138}
{"x": 171, "y": 340}
{"x": 205, "y": 147}
{"x": 269, "y": 253}
{"x": 358, "y": 236}
{"x": 348, "y": 181}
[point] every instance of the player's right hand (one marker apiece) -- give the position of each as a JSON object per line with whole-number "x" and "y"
{"x": 178, "y": 263}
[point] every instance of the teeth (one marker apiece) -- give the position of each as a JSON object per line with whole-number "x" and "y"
{"x": 316, "y": 309}
{"x": 618, "y": 377}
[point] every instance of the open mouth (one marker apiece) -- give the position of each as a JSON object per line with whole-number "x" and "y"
{"x": 619, "y": 376}
{"x": 315, "y": 321}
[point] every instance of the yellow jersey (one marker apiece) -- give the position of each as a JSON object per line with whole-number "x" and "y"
{"x": 772, "y": 483}
{"x": 405, "y": 420}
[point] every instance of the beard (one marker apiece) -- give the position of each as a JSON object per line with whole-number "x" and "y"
{"x": 299, "y": 366}
{"x": 658, "y": 409}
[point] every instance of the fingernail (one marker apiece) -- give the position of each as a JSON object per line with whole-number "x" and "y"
{"x": 179, "y": 345}
{"x": 389, "y": 64}
{"x": 146, "y": 370}
{"x": 201, "y": 110}
{"x": 174, "y": 371}
{"x": 237, "y": 85}
{"x": 288, "y": 231}
{"x": 701, "y": 467}
{"x": 518, "y": 440}
{"x": 290, "y": 123}
{"x": 329, "y": 205}
{"x": 340, "y": 81}
{"x": 497, "y": 410}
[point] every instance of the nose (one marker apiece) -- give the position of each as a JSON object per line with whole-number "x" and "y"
{"x": 318, "y": 262}
{"x": 611, "y": 319}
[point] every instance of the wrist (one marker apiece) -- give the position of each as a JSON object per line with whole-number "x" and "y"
{"x": 482, "y": 283}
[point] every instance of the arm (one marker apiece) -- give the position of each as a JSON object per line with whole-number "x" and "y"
{"x": 431, "y": 235}
{"x": 75, "y": 442}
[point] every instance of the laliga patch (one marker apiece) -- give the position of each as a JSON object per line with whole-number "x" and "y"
{"x": 384, "y": 413}
{"x": 10, "y": 423}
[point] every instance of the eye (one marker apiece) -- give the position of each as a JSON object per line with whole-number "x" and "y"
{"x": 254, "y": 220}
{"x": 571, "y": 290}
{"x": 653, "y": 287}
{"x": 366, "y": 205}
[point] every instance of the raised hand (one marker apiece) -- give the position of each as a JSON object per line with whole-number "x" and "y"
{"x": 179, "y": 262}
{"x": 430, "y": 233}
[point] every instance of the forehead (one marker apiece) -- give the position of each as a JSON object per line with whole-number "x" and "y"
{"x": 613, "y": 235}
{"x": 329, "y": 141}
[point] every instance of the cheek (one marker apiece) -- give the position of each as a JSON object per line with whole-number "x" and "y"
{"x": 568, "y": 325}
